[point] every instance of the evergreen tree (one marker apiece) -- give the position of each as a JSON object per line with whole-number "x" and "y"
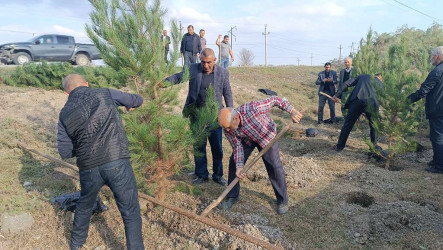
{"x": 367, "y": 60}
{"x": 395, "y": 121}
{"x": 128, "y": 36}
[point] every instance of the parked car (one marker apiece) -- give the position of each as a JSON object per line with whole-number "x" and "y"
{"x": 50, "y": 47}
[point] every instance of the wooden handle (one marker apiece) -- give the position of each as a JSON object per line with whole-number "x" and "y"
{"x": 245, "y": 169}
{"x": 330, "y": 97}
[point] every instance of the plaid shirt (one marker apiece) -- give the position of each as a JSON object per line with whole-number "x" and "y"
{"x": 256, "y": 125}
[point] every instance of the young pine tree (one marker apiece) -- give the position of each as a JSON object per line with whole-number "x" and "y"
{"x": 128, "y": 36}
{"x": 396, "y": 120}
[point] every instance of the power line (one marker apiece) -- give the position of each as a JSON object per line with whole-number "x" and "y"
{"x": 424, "y": 14}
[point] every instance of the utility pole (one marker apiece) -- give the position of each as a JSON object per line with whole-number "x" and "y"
{"x": 298, "y": 61}
{"x": 339, "y": 58}
{"x": 181, "y": 28}
{"x": 266, "y": 45}
{"x": 352, "y": 49}
{"x": 232, "y": 35}
{"x": 311, "y": 58}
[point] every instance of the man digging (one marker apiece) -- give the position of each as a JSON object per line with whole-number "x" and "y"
{"x": 249, "y": 127}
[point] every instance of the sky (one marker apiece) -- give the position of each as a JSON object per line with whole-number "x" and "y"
{"x": 299, "y": 32}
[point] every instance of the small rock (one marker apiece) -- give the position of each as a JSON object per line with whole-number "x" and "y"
{"x": 100, "y": 248}
{"x": 356, "y": 235}
{"x": 16, "y": 223}
{"x": 427, "y": 178}
{"x": 27, "y": 183}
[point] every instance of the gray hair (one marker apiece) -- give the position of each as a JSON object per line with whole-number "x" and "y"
{"x": 348, "y": 58}
{"x": 207, "y": 52}
{"x": 73, "y": 81}
{"x": 232, "y": 113}
{"x": 438, "y": 51}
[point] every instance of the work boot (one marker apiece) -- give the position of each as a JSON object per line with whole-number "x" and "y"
{"x": 220, "y": 181}
{"x": 227, "y": 204}
{"x": 282, "y": 208}
{"x": 434, "y": 170}
{"x": 200, "y": 180}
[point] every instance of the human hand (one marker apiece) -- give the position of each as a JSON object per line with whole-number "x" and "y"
{"x": 296, "y": 116}
{"x": 129, "y": 109}
{"x": 335, "y": 99}
{"x": 240, "y": 175}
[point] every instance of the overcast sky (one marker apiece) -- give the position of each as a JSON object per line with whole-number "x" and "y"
{"x": 297, "y": 29}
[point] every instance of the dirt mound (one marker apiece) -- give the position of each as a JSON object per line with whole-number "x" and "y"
{"x": 391, "y": 222}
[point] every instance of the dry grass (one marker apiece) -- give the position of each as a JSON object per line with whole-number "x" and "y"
{"x": 320, "y": 214}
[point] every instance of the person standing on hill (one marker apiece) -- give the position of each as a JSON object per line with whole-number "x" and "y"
{"x": 202, "y": 41}
{"x": 326, "y": 80}
{"x": 432, "y": 89}
{"x": 190, "y": 46}
{"x": 90, "y": 128}
{"x": 166, "y": 42}
{"x": 345, "y": 74}
{"x": 202, "y": 75}
{"x": 226, "y": 50}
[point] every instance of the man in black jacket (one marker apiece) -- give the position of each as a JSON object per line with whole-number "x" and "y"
{"x": 90, "y": 128}
{"x": 432, "y": 89}
{"x": 327, "y": 79}
{"x": 363, "y": 99}
{"x": 201, "y": 76}
{"x": 190, "y": 46}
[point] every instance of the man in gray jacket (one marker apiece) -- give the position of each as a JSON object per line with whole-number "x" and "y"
{"x": 202, "y": 75}
{"x": 432, "y": 89}
{"x": 327, "y": 80}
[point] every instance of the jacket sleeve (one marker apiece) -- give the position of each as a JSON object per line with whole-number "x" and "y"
{"x": 227, "y": 93}
{"x": 334, "y": 78}
{"x": 199, "y": 45}
{"x": 430, "y": 82}
{"x": 64, "y": 143}
{"x": 182, "y": 45}
{"x": 237, "y": 148}
{"x": 265, "y": 105}
{"x": 175, "y": 78}
{"x": 349, "y": 83}
{"x": 319, "y": 80}
{"x": 126, "y": 99}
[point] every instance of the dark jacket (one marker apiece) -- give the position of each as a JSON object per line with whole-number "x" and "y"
{"x": 364, "y": 90}
{"x": 321, "y": 78}
{"x": 196, "y": 45}
{"x": 166, "y": 42}
{"x": 342, "y": 74}
{"x": 222, "y": 87}
{"x": 90, "y": 127}
{"x": 432, "y": 89}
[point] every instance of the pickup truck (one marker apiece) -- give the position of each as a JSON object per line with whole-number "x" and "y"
{"x": 51, "y": 47}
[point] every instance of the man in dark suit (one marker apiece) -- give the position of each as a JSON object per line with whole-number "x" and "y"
{"x": 363, "y": 99}
{"x": 345, "y": 74}
{"x": 202, "y": 75}
{"x": 432, "y": 89}
{"x": 166, "y": 41}
{"x": 190, "y": 46}
{"x": 327, "y": 80}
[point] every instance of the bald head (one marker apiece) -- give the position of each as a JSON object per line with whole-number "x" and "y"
{"x": 348, "y": 62}
{"x": 73, "y": 81}
{"x": 229, "y": 119}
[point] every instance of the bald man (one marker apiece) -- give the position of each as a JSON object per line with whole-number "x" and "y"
{"x": 249, "y": 127}
{"x": 90, "y": 128}
{"x": 345, "y": 74}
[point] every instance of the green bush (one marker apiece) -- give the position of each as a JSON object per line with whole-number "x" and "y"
{"x": 50, "y": 75}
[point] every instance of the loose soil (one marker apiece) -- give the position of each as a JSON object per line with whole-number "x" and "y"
{"x": 337, "y": 200}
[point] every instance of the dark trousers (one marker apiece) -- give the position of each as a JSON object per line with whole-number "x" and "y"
{"x": 343, "y": 98}
{"x": 201, "y": 161}
{"x": 436, "y": 136}
{"x": 356, "y": 108}
{"x": 274, "y": 167}
{"x": 166, "y": 55}
{"x": 321, "y": 105}
{"x": 119, "y": 177}
{"x": 189, "y": 58}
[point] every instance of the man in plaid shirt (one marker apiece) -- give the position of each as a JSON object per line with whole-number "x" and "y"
{"x": 248, "y": 127}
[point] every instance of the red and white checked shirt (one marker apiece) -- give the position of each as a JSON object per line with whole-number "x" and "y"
{"x": 256, "y": 125}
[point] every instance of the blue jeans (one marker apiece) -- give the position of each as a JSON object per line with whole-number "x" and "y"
{"x": 201, "y": 161}
{"x": 321, "y": 105}
{"x": 119, "y": 177}
{"x": 436, "y": 136}
{"x": 274, "y": 167}
{"x": 224, "y": 62}
{"x": 189, "y": 58}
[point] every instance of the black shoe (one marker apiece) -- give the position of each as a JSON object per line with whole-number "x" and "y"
{"x": 434, "y": 170}
{"x": 431, "y": 163}
{"x": 220, "y": 181}
{"x": 227, "y": 204}
{"x": 200, "y": 180}
{"x": 319, "y": 122}
{"x": 336, "y": 148}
